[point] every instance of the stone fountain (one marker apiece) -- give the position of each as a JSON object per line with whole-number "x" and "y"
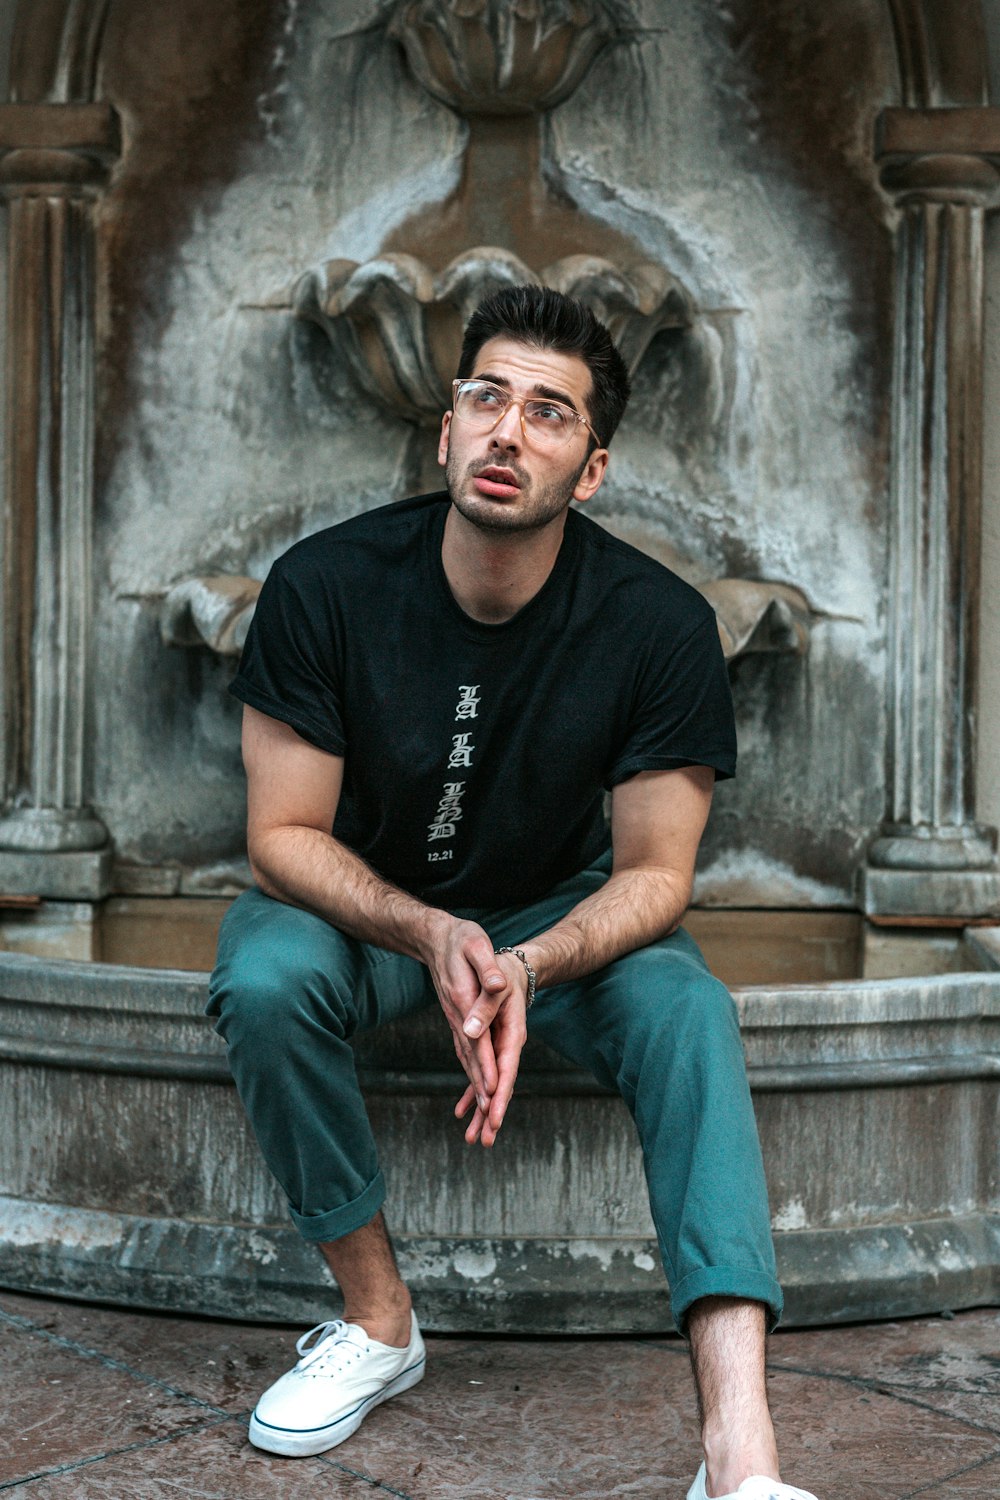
{"x": 871, "y": 1020}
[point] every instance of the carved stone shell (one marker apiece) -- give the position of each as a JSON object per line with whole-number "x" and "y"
{"x": 501, "y": 57}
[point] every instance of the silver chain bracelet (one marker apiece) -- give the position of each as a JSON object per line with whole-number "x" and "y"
{"x": 518, "y": 953}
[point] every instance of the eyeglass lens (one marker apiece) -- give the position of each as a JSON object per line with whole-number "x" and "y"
{"x": 483, "y": 405}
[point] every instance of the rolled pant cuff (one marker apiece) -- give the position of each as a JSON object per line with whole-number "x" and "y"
{"x": 726, "y": 1281}
{"x": 334, "y": 1224}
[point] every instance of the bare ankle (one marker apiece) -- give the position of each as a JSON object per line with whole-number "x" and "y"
{"x": 387, "y": 1321}
{"x": 730, "y": 1458}
{"x": 375, "y": 1296}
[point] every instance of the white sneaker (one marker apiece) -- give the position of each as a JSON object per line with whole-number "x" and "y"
{"x": 757, "y": 1487}
{"x": 342, "y": 1374}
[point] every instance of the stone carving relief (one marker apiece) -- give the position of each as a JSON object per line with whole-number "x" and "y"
{"x": 395, "y": 321}
{"x": 213, "y": 611}
{"x": 397, "y": 325}
{"x": 216, "y": 610}
{"x": 488, "y": 57}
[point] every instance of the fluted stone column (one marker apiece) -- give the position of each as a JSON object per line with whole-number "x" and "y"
{"x": 53, "y": 160}
{"x": 932, "y": 858}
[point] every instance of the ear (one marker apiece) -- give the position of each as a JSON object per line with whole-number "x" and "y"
{"x": 443, "y": 439}
{"x": 593, "y": 474}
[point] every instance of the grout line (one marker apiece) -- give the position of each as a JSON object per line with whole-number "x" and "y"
{"x": 107, "y": 1361}
{"x": 378, "y": 1484}
{"x": 955, "y": 1474}
{"x": 881, "y": 1388}
{"x": 99, "y": 1458}
{"x": 944, "y": 1389}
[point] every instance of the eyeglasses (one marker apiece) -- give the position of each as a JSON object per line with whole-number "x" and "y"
{"x": 545, "y": 424}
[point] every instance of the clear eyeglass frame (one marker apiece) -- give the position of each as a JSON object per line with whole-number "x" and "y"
{"x": 533, "y": 427}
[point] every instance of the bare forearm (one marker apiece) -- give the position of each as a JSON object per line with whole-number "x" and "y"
{"x": 634, "y": 908}
{"x": 306, "y": 867}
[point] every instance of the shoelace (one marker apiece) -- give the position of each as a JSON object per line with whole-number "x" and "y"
{"x": 328, "y": 1348}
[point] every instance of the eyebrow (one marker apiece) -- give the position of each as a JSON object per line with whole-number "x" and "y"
{"x": 548, "y": 392}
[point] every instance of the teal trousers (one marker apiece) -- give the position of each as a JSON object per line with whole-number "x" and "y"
{"x": 289, "y": 991}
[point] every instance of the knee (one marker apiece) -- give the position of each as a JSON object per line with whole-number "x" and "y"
{"x": 274, "y": 976}
{"x": 250, "y": 995}
{"x": 676, "y": 1003}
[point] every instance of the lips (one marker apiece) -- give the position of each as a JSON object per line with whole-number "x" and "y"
{"x": 496, "y": 482}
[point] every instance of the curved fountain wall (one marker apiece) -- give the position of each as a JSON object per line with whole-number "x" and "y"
{"x": 129, "y": 1174}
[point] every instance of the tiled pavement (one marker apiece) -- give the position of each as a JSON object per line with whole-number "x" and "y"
{"x": 103, "y": 1403}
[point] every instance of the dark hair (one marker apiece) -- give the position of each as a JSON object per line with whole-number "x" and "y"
{"x": 537, "y": 315}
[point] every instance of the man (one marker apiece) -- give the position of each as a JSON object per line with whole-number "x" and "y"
{"x": 450, "y": 684}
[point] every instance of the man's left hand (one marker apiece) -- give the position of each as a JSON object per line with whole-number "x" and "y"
{"x": 505, "y": 1016}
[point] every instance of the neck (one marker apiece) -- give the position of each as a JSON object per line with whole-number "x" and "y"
{"x": 493, "y": 574}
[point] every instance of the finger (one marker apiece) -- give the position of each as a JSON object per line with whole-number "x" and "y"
{"x": 475, "y": 1053}
{"x": 474, "y": 1127}
{"x": 508, "y": 1062}
{"x": 465, "y": 1103}
{"x": 487, "y": 1062}
{"x": 482, "y": 1015}
{"x": 471, "y": 1069}
{"x": 479, "y": 953}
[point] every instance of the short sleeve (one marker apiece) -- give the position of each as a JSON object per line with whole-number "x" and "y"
{"x": 682, "y": 713}
{"x": 288, "y": 669}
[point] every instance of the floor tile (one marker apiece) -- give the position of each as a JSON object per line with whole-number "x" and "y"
{"x": 980, "y": 1483}
{"x": 60, "y": 1406}
{"x": 952, "y": 1365}
{"x": 884, "y": 1412}
{"x": 846, "y": 1442}
{"x": 212, "y": 1465}
{"x": 225, "y": 1364}
{"x": 920, "y": 1350}
{"x": 539, "y": 1419}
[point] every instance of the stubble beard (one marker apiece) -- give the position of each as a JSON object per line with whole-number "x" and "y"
{"x": 532, "y": 510}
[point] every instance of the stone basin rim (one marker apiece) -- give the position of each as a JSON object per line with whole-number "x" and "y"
{"x": 842, "y": 1044}
{"x": 939, "y": 1031}
{"x": 967, "y": 993}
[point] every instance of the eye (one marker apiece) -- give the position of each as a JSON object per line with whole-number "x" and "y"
{"x": 486, "y": 396}
{"x": 548, "y": 413}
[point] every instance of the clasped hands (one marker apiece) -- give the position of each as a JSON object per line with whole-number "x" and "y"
{"x": 484, "y": 998}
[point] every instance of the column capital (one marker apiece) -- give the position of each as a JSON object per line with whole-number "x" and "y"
{"x": 56, "y": 147}
{"x": 940, "y": 155}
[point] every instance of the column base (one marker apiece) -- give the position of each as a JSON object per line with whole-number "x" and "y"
{"x": 930, "y": 893}
{"x": 51, "y": 830}
{"x": 972, "y": 847}
{"x": 67, "y": 875}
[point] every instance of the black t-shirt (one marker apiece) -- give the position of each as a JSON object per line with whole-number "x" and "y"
{"x": 476, "y": 756}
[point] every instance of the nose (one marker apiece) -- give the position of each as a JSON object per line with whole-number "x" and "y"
{"x": 507, "y": 433}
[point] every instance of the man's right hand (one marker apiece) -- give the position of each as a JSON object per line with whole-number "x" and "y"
{"x": 472, "y": 986}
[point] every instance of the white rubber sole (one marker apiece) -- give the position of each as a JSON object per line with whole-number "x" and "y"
{"x": 292, "y": 1444}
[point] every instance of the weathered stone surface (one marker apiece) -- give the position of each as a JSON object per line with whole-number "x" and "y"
{"x": 929, "y": 893}
{"x": 551, "y": 1283}
{"x": 985, "y": 943}
{"x": 55, "y": 929}
{"x": 59, "y": 875}
{"x": 176, "y": 1208}
{"x": 265, "y": 143}
{"x": 760, "y": 444}
{"x": 757, "y": 447}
